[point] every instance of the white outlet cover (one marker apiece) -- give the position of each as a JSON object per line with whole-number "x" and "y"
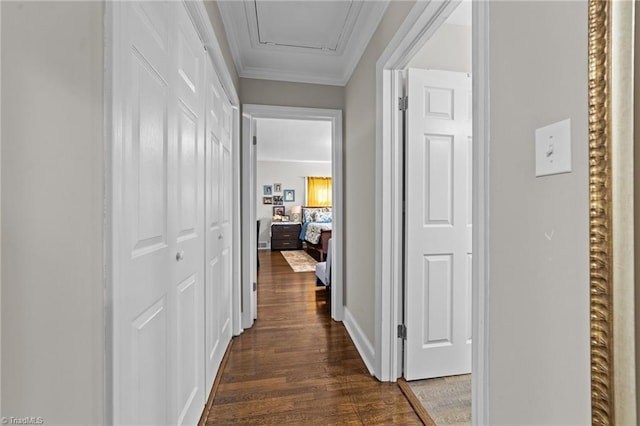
{"x": 553, "y": 149}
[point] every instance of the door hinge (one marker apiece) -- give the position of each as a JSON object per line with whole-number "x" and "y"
{"x": 403, "y": 103}
{"x": 255, "y": 286}
{"x": 402, "y": 331}
{"x": 255, "y": 140}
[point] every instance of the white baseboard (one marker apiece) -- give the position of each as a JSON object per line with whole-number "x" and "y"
{"x": 363, "y": 345}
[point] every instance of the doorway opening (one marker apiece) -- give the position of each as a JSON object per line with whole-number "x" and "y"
{"x": 264, "y": 122}
{"x": 430, "y": 39}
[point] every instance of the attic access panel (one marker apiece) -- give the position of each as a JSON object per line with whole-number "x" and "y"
{"x": 316, "y": 26}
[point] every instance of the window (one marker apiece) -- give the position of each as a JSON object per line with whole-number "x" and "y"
{"x": 319, "y": 191}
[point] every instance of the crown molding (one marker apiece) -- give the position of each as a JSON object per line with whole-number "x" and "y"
{"x": 236, "y": 20}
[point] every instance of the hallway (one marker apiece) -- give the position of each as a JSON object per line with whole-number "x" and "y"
{"x": 298, "y": 366}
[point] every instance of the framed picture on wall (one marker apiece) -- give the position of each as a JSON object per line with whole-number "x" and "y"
{"x": 278, "y": 210}
{"x": 277, "y": 200}
{"x": 267, "y": 200}
{"x": 267, "y": 190}
{"x": 277, "y": 187}
{"x": 289, "y": 195}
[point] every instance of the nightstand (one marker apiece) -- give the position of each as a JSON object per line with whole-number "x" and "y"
{"x": 285, "y": 236}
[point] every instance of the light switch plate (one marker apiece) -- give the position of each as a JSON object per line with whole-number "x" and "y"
{"x": 553, "y": 149}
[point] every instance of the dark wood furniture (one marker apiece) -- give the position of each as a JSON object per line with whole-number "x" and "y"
{"x": 285, "y": 236}
{"x": 322, "y": 246}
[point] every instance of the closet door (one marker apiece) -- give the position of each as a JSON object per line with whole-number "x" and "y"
{"x": 143, "y": 310}
{"x": 187, "y": 220}
{"x": 218, "y": 232}
{"x": 158, "y": 217}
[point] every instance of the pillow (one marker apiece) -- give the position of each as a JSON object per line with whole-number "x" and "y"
{"x": 309, "y": 214}
{"x": 322, "y": 217}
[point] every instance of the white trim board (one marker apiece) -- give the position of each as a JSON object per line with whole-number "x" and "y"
{"x": 422, "y": 22}
{"x": 250, "y": 112}
{"x": 480, "y": 235}
{"x": 0, "y": 213}
{"x": 363, "y": 345}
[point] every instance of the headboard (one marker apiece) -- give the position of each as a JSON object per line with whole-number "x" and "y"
{"x": 316, "y": 214}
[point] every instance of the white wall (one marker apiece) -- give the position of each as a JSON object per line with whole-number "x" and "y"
{"x": 359, "y": 165}
{"x": 448, "y": 49}
{"x": 291, "y": 175}
{"x": 539, "y": 259}
{"x": 52, "y": 211}
{"x": 282, "y": 93}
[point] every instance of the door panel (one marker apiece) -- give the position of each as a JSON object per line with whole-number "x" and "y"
{"x": 158, "y": 296}
{"x": 187, "y": 174}
{"x": 437, "y": 322}
{"x": 143, "y": 307}
{"x": 438, "y": 225}
{"x": 218, "y": 230}
{"x": 438, "y": 180}
{"x": 188, "y": 217}
{"x": 147, "y": 158}
{"x": 189, "y": 372}
{"x": 149, "y": 342}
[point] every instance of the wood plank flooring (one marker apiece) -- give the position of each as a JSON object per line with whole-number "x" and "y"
{"x": 297, "y": 366}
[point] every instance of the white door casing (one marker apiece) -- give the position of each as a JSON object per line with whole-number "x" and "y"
{"x": 438, "y": 224}
{"x": 218, "y": 291}
{"x": 249, "y": 114}
{"x": 250, "y": 240}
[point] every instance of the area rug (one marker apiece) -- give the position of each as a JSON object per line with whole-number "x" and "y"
{"x": 299, "y": 260}
{"x": 446, "y": 399}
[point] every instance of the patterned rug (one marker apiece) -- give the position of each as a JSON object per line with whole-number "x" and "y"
{"x": 446, "y": 399}
{"x": 299, "y": 260}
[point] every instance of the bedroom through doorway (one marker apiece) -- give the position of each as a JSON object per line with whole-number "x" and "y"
{"x": 293, "y": 190}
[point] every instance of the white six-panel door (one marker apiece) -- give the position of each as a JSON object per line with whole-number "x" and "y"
{"x": 438, "y": 224}
{"x": 171, "y": 217}
{"x": 218, "y": 225}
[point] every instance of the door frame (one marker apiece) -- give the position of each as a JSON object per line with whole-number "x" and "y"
{"x": 112, "y": 175}
{"x": 422, "y": 22}
{"x": 250, "y": 112}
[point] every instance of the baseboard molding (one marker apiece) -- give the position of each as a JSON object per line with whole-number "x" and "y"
{"x": 363, "y": 345}
{"x": 216, "y": 384}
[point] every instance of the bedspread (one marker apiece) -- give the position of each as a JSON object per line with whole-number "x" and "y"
{"x": 314, "y": 230}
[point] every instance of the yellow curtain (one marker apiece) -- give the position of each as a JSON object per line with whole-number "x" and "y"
{"x": 319, "y": 191}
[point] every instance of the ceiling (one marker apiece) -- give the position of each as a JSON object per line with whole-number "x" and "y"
{"x": 293, "y": 140}
{"x": 308, "y": 41}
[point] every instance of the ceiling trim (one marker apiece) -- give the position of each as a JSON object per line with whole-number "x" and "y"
{"x": 291, "y": 76}
{"x": 357, "y": 48}
{"x": 225, "y": 13}
{"x": 292, "y": 161}
{"x": 370, "y": 15}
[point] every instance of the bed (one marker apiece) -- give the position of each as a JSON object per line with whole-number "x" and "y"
{"x": 316, "y": 229}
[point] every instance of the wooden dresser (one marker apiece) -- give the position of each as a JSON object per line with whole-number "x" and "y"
{"x": 284, "y": 236}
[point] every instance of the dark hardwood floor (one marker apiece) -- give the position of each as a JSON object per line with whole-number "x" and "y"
{"x": 297, "y": 366}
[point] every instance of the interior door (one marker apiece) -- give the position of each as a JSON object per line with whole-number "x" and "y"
{"x": 438, "y": 224}
{"x": 187, "y": 215}
{"x": 218, "y": 232}
{"x": 144, "y": 303}
{"x": 159, "y": 185}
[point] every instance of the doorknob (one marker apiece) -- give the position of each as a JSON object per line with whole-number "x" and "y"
{"x": 179, "y": 255}
{"x": 220, "y": 236}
